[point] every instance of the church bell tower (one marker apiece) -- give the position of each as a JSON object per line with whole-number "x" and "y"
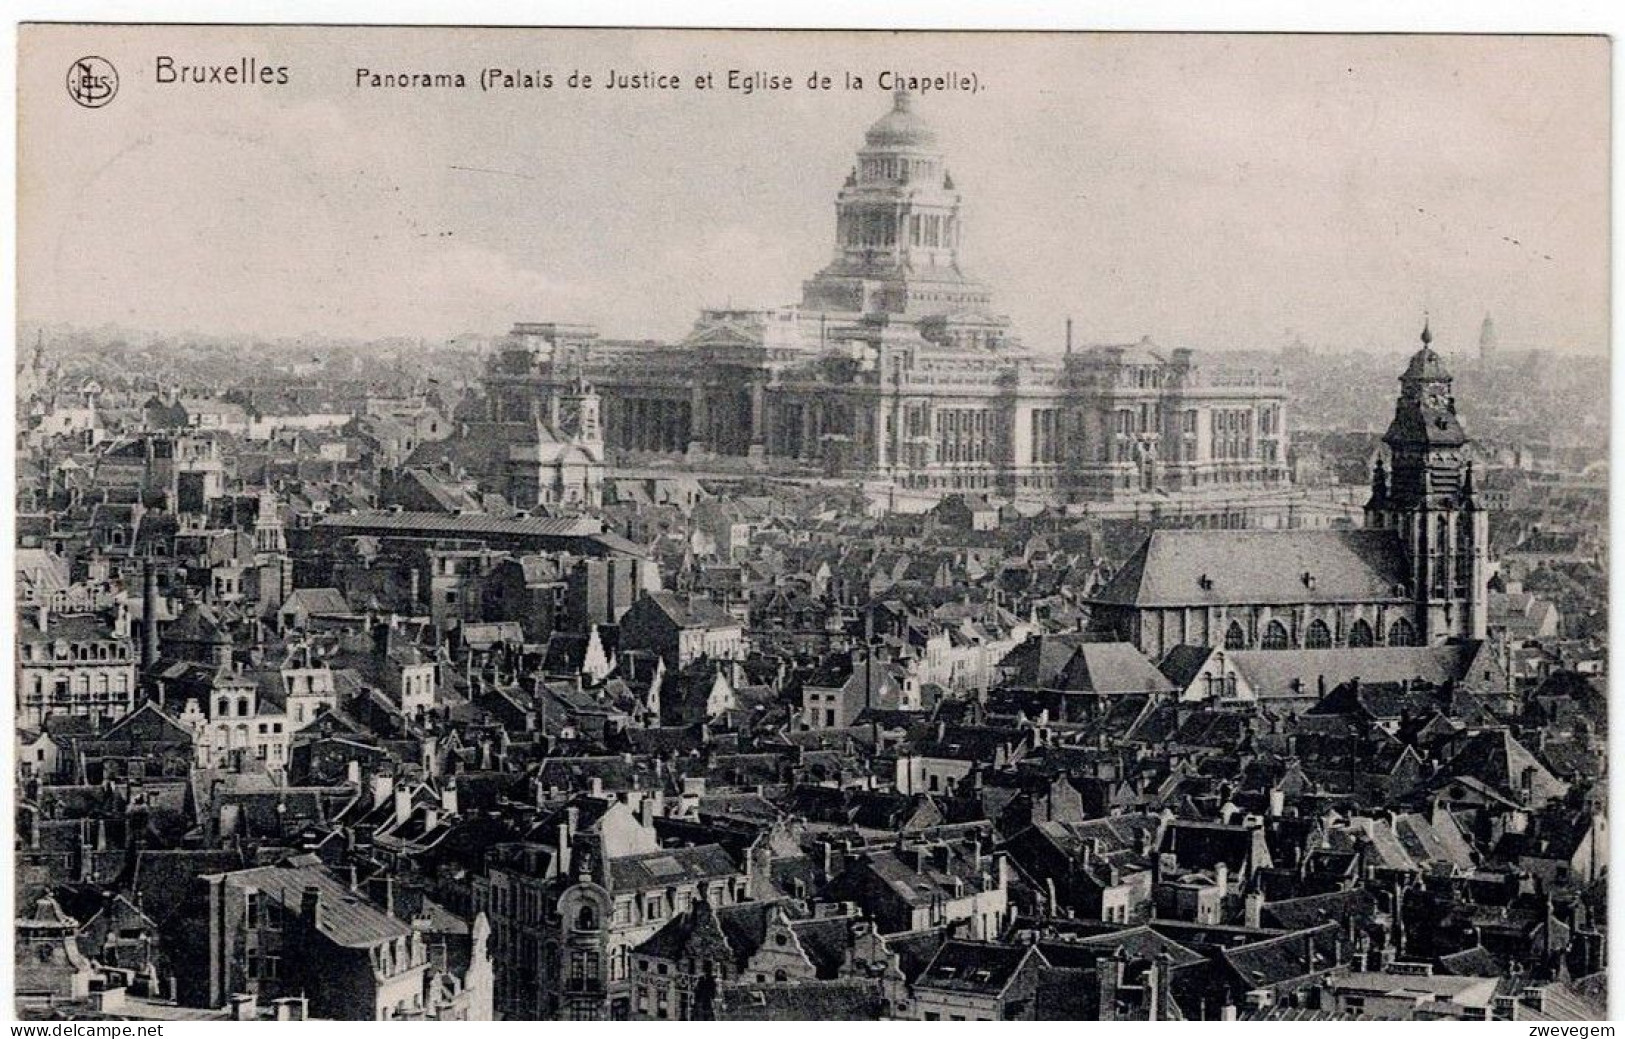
{"x": 1426, "y": 494}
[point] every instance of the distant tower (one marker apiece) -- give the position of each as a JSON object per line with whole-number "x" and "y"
{"x": 268, "y": 532}
{"x": 1487, "y": 344}
{"x": 578, "y": 415}
{"x": 1427, "y": 495}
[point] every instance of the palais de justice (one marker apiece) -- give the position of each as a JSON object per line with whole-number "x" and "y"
{"x": 896, "y": 367}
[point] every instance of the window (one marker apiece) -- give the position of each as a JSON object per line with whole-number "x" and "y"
{"x": 1401, "y": 633}
{"x": 1318, "y": 635}
{"x": 586, "y": 919}
{"x": 1275, "y": 636}
{"x": 1464, "y": 556}
{"x": 1235, "y": 638}
{"x": 1360, "y": 634}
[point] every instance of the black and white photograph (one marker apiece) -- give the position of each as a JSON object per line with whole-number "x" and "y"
{"x": 523, "y": 524}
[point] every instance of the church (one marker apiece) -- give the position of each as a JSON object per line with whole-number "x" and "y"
{"x": 1415, "y": 575}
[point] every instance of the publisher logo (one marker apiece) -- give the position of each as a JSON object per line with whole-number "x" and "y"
{"x": 92, "y": 81}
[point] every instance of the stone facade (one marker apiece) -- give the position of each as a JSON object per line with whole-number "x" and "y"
{"x": 895, "y": 367}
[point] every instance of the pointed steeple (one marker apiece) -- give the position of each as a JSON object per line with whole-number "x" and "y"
{"x": 1379, "y": 487}
{"x": 1469, "y": 492}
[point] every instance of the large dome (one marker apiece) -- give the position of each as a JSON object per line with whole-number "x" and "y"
{"x": 901, "y": 127}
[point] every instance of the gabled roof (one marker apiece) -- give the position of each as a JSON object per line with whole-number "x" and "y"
{"x": 1501, "y": 762}
{"x": 661, "y": 869}
{"x": 315, "y": 600}
{"x": 1112, "y": 667}
{"x": 1286, "y": 672}
{"x": 1217, "y": 567}
{"x": 345, "y": 917}
{"x": 977, "y": 968}
{"x": 693, "y": 935}
{"x": 692, "y": 611}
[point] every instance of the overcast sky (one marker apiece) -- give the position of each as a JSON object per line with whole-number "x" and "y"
{"x": 1211, "y": 191}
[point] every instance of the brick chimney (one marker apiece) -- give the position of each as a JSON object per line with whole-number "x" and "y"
{"x": 310, "y": 906}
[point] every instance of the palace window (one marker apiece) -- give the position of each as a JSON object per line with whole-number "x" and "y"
{"x": 1235, "y": 637}
{"x": 1361, "y": 635}
{"x": 1275, "y": 636}
{"x": 1318, "y": 635}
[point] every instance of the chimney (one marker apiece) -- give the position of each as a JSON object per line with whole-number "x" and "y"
{"x": 1253, "y": 909}
{"x": 595, "y": 786}
{"x": 1109, "y": 976}
{"x": 43, "y": 618}
{"x": 291, "y": 1008}
{"x": 310, "y": 906}
{"x": 243, "y": 1007}
{"x": 403, "y": 804}
{"x": 149, "y": 615}
{"x": 564, "y": 847}
{"x": 1160, "y": 988}
{"x": 1221, "y": 877}
{"x": 1277, "y": 802}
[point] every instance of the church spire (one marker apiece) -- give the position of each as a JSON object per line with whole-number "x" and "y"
{"x": 1379, "y": 490}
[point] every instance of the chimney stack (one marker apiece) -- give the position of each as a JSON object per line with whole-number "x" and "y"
{"x": 149, "y": 615}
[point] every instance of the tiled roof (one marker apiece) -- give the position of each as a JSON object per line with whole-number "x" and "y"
{"x": 983, "y": 968}
{"x": 345, "y": 917}
{"x": 660, "y": 869}
{"x": 1112, "y": 667}
{"x": 842, "y": 1000}
{"x": 1217, "y": 567}
{"x": 1272, "y": 672}
{"x": 693, "y": 611}
{"x": 454, "y": 526}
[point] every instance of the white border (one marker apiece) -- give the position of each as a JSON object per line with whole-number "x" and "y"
{"x": 1438, "y": 16}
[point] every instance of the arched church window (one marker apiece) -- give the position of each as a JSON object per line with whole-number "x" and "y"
{"x": 1464, "y": 556}
{"x": 1401, "y": 633}
{"x": 1317, "y": 636}
{"x": 1275, "y": 636}
{"x": 1441, "y": 547}
{"x": 1360, "y": 634}
{"x": 1235, "y": 638}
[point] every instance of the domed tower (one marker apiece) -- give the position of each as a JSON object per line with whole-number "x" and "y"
{"x": 1427, "y": 496}
{"x": 897, "y": 230}
{"x": 577, "y": 408}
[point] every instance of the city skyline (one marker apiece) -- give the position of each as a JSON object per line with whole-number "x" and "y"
{"x": 474, "y": 231}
